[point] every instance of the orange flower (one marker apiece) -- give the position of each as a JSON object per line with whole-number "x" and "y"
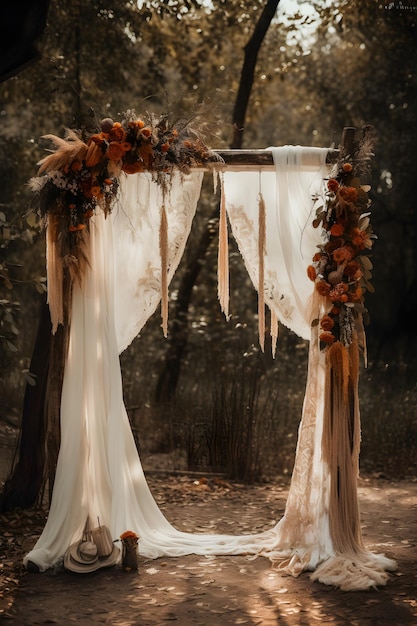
{"x": 337, "y": 230}
{"x": 323, "y": 287}
{"x": 356, "y": 295}
{"x": 344, "y": 253}
{"x": 146, "y": 132}
{"x": 98, "y": 138}
{"x": 338, "y": 293}
{"x": 335, "y": 310}
{"x": 96, "y": 191}
{"x": 128, "y": 534}
{"x": 333, "y": 245}
{"x": 115, "y": 151}
{"x": 311, "y": 273}
{"x": 361, "y": 239}
{"x": 117, "y": 133}
{"x": 327, "y": 323}
{"x": 137, "y": 124}
{"x": 132, "y": 168}
{"x": 317, "y": 257}
{"x": 347, "y": 167}
{"x": 327, "y": 337}
{"x": 332, "y": 185}
{"x": 351, "y": 268}
{"x": 349, "y": 194}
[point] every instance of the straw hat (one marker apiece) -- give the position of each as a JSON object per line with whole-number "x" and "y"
{"x": 95, "y": 550}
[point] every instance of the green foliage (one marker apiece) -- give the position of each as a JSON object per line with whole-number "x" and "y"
{"x": 13, "y": 235}
{"x": 184, "y": 57}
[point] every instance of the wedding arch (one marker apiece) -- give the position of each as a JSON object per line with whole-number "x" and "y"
{"x": 118, "y": 207}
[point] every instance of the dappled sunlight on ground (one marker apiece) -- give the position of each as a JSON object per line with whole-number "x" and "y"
{"x": 214, "y": 591}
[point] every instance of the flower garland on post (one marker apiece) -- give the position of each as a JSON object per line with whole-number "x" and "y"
{"x": 341, "y": 270}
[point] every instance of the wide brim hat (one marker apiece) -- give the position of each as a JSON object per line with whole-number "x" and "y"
{"x": 85, "y": 556}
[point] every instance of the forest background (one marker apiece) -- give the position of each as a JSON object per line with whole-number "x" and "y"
{"x": 207, "y": 398}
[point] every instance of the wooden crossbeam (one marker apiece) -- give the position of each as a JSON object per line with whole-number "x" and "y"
{"x": 262, "y": 159}
{"x": 247, "y": 160}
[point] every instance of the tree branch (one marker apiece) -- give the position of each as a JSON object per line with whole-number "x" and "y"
{"x": 248, "y": 71}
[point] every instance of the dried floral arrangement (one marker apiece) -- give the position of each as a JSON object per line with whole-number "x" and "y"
{"x": 81, "y": 176}
{"x": 82, "y": 172}
{"x": 342, "y": 267}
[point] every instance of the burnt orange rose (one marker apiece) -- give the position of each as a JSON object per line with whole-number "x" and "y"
{"x": 337, "y": 230}
{"x": 327, "y": 337}
{"x": 351, "y": 268}
{"x": 117, "y": 133}
{"x": 349, "y": 194}
{"x": 323, "y": 287}
{"x": 311, "y": 273}
{"x": 332, "y": 185}
{"x": 344, "y": 253}
{"x": 327, "y": 323}
{"x": 115, "y": 151}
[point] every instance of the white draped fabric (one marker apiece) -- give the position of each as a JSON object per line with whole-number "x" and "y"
{"x": 99, "y": 473}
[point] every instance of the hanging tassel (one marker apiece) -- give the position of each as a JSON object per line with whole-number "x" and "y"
{"x": 274, "y": 332}
{"x": 223, "y": 256}
{"x": 163, "y": 250}
{"x": 341, "y": 441}
{"x": 216, "y": 175}
{"x": 261, "y": 274}
{"x": 54, "y": 269}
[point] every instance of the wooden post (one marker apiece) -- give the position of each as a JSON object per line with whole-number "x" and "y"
{"x": 348, "y": 145}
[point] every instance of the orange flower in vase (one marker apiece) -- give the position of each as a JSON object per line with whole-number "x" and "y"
{"x": 129, "y": 541}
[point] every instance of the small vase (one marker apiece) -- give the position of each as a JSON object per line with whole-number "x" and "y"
{"x": 130, "y": 557}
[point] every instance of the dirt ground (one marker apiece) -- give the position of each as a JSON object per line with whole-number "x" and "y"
{"x": 215, "y": 591}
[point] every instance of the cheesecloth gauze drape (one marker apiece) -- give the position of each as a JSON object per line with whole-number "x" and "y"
{"x": 99, "y": 474}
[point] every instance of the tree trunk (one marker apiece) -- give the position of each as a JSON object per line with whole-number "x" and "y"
{"x": 178, "y": 333}
{"x": 248, "y": 71}
{"x": 22, "y": 487}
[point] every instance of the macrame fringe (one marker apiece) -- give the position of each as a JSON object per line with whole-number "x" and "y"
{"x": 163, "y": 248}
{"x": 261, "y": 273}
{"x": 223, "y": 256}
{"x": 354, "y": 572}
{"x": 341, "y": 442}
